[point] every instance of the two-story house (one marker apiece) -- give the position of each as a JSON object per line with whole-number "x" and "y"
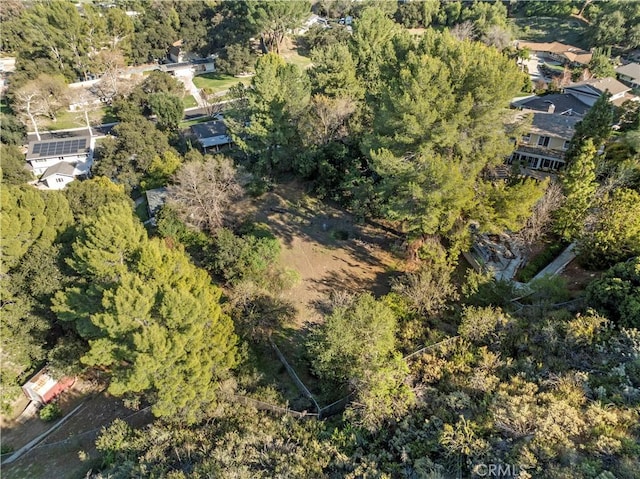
{"x": 543, "y": 147}
{"x": 45, "y": 158}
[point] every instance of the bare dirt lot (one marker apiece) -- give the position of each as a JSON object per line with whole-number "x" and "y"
{"x": 330, "y": 251}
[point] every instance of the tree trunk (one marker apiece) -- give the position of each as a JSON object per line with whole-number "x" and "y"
{"x": 35, "y": 125}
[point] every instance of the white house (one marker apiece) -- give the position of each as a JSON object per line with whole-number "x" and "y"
{"x": 58, "y": 176}
{"x": 58, "y": 162}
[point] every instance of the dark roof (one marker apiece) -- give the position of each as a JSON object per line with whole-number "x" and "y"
{"x": 50, "y": 148}
{"x": 564, "y": 103}
{"x": 155, "y": 200}
{"x": 62, "y": 168}
{"x": 213, "y": 133}
{"x": 210, "y": 129}
{"x": 550, "y": 124}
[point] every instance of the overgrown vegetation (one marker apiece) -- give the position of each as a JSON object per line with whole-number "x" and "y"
{"x": 448, "y": 371}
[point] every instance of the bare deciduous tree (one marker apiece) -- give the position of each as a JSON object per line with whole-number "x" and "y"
{"x": 540, "y": 221}
{"x": 202, "y": 192}
{"x": 326, "y": 118}
{"x": 28, "y": 102}
{"x": 111, "y": 63}
{"x": 464, "y": 31}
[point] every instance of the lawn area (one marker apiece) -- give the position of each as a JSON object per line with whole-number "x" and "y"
{"x": 188, "y": 123}
{"x": 295, "y": 58}
{"x": 75, "y": 119}
{"x": 547, "y": 29}
{"x": 218, "y": 82}
{"x": 189, "y": 101}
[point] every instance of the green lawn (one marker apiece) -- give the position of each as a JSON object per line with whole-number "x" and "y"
{"x": 187, "y": 124}
{"x": 296, "y": 59}
{"x": 218, "y": 82}
{"x": 189, "y": 101}
{"x": 566, "y": 30}
{"x": 73, "y": 119}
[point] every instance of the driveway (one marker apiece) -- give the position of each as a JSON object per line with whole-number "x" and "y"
{"x": 186, "y": 76}
{"x": 533, "y": 65}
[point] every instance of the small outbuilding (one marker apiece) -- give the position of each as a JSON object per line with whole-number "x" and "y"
{"x": 43, "y": 388}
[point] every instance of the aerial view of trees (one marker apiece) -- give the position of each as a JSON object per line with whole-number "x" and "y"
{"x": 327, "y": 294}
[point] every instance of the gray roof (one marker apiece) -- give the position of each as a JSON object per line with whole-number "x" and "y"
{"x": 211, "y": 133}
{"x": 631, "y": 70}
{"x": 566, "y": 104}
{"x": 155, "y": 200}
{"x": 550, "y": 124}
{"x": 66, "y": 147}
{"x": 598, "y": 86}
{"x": 62, "y": 168}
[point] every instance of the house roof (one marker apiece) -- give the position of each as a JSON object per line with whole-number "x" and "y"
{"x": 156, "y": 198}
{"x": 599, "y": 85}
{"x": 550, "y": 124}
{"x": 51, "y": 148}
{"x": 631, "y": 70}
{"x": 565, "y": 104}
{"x": 63, "y": 168}
{"x": 571, "y": 53}
{"x": 211, "y": 133}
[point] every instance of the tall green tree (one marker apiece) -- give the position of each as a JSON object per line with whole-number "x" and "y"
{"x": 596, "y": 125}
{"x": 13, "y": 168}
{"x": 162, "y": 332}
{"x": 108, "y": 243}
{"x": 168, "y": 110}
{"x": 579, "y": 185}
{"x": 128, "y": 155}
{"x": 274, "y": 18}
{"x": 267, "y": 129}
{"x": 615, "y": 233}
{"x": 617, "y": 293}
{"x": 357, "y": 344}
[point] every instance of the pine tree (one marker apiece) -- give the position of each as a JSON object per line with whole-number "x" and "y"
{"x": 107, "y": 243}
{"x": 579, "y": 184}
{"x": 163, "y": 332}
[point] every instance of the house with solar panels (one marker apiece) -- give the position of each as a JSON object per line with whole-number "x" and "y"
{"x": 58, "y": 162}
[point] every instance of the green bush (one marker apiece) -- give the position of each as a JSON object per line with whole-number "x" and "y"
{"x": 50, "y": 412}
{"x": 250, "y": 256}
{"x": 537, "y": 264}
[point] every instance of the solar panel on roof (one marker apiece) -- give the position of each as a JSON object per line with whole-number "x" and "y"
{"x": 57, "y": 148}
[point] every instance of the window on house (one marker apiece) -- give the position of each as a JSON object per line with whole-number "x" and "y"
{"x": 543, "y": 141}
{"x": 565, "y": 146}
{"x": 526, "y": 138}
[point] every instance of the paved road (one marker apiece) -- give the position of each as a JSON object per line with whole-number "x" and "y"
{"x": 102, "y": 130}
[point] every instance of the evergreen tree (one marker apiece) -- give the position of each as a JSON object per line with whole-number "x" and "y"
{"x": 162, "y": 332}
{"x": 267, "y": 129}
{"x": 615, "y": 234}
{"x": 579, "y": 184}
{"x": 108, "y": 243}
{"x": 596, "y": 125}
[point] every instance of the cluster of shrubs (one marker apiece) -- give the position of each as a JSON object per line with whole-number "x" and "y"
{"x": 537, "y": 263}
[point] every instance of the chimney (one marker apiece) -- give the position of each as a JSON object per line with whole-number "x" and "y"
{"x": 551, "y": 108}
